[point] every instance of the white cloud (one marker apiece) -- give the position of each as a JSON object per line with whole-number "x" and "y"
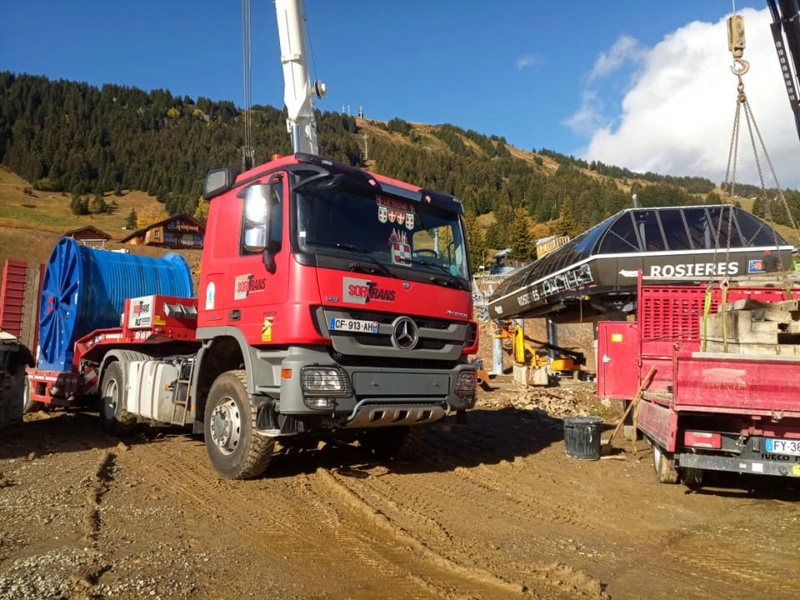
{"x": 625, "y": 50}
{"x": 527, "y": 61}
{"x": 589, "y": 117}
{"x": 677, "y": 114}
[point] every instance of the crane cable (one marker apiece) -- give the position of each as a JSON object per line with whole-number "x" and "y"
{"x": 736, "y": 44}
{"x": 247, "y": 64}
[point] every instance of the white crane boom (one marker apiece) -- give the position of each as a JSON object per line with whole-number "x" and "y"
{"x": 298, "y": 91}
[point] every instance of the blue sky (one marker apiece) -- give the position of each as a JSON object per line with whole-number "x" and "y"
{"x": 632, "y": 83}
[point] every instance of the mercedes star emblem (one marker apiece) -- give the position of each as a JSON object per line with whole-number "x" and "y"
{"x": 405, "y": 333}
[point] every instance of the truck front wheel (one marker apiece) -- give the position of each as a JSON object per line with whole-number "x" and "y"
{"x": 234, "y": 448}
{"x": 113, "y": 417}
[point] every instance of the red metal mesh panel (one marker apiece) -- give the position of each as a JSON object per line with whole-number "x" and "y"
{"x": 673, "y": 312}
{"x": 19, "y": 300}
{"x": 12, "y": 296}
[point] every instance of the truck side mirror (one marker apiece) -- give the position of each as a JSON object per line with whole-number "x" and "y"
{"x": 260, "y": 203}
{"x": 256, "y": 218}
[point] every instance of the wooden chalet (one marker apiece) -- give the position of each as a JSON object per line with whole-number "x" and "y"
{"x": 89, "y": 235}
{"x": 179, "y": 231}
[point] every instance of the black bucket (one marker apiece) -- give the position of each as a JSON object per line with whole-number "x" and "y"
{"x": 582, "y": 437}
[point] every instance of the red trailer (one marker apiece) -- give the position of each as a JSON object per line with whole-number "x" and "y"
{"x": 725, "y": 389}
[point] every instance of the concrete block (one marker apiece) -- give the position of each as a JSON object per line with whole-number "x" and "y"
{"x": 740, "y": 326}
{"x": 765, "y": 327}
{"x": 540, "y": 376}
{"x": 769, "y": 314}
{"x": 520, "y": 374}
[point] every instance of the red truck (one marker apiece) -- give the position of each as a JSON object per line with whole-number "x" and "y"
{"x": 714, "y": 372}
{"x": 333, "y": 302}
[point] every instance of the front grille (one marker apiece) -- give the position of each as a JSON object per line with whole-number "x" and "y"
{"x": 472, "y": 335}
{"x": 438, "y": 339}
{"x": 388, "y": 319}
{"x": 373, "y": 340}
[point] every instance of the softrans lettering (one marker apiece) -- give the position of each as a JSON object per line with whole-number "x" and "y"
{"x": 361, "y": 291}
{"x": 694, "y": 269}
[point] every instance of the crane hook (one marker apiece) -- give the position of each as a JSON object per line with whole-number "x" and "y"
{"x": 740, "y": 67}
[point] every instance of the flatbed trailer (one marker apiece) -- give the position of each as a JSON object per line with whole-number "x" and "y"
{"x": 713, "y": 401}
{"x": 168, "y": 329}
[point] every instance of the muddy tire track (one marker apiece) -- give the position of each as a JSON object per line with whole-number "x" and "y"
{"x": 295, "y": 527}
{"x": 406, "y": 510}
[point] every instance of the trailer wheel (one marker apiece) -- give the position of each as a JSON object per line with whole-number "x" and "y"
{"x": 29, "y": 405}
{"x": 663, "y": 465}
{"x": 114, "y": 418}
{"x": 402, "y": 443}
{"x": 234, "y": 448}
{"x": 691, "y": 477}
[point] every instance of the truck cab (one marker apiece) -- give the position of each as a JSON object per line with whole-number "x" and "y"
{"x": 344, "y": 296}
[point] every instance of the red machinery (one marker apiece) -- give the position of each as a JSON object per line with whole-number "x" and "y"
{"x": 703, "y": 408}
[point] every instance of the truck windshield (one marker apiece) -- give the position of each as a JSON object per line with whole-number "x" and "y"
{"x": 413, "y": 240}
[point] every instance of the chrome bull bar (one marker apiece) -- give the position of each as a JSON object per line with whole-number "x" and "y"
{"x": 372, "y": 413}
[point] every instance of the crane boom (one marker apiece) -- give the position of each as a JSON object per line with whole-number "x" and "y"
{"x": 298, "y": 91}
{"x": 786, "y": 13}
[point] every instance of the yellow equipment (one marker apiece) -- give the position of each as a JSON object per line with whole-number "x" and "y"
{"x": 567, "y": 362}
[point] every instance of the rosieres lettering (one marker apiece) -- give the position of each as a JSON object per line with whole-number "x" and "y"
{"x": 694, "y": 270}
{"x": 569, "y": 280}
{"x": 361, "y": 291}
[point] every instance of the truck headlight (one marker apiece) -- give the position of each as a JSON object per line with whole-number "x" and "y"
{"x": 465, "y": 384}
{"x": 324, "y": 381}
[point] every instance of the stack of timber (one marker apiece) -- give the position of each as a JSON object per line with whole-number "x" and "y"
{"x": 753, "y": 327}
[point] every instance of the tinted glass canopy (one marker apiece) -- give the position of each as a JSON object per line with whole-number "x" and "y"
{"x": 632, "y": 237}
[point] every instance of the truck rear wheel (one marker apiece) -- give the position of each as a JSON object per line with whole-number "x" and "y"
{"x": 403, "y": 443}
{"x": 691, "y": 477}
{"x": 663, "y": 465}
{"x": 29, "y": 405}
{"x": 234, "y": 448}
{"x": 113, "y": 417}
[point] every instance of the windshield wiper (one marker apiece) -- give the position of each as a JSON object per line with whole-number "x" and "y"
{"x": 353, "y": 266}
{"x": 451, "y": 279}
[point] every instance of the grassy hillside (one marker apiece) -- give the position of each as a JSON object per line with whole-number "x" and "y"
{"x": 31, "y": 221}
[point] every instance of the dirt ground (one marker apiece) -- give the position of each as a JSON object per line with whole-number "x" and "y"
{"x": 494, "y": 510}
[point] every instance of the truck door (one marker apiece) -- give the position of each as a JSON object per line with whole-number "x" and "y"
{"x": 617, "y": 360}
{"x": 257, "y": 295}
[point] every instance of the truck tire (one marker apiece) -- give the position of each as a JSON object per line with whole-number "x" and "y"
{"x": 402, "y": 443}
{"x": 29, "y": 405}
{"x": 663, "y": 465}
{"x": 234, "y": 448}
{"x": 691, "y": 477}
{"x": 114, "y": 418}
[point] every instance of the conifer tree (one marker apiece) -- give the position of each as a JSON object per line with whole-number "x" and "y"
{"x": 78, "y": 205}
{"x": 97, "y": 204}
{"x": 130, "y": 222}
